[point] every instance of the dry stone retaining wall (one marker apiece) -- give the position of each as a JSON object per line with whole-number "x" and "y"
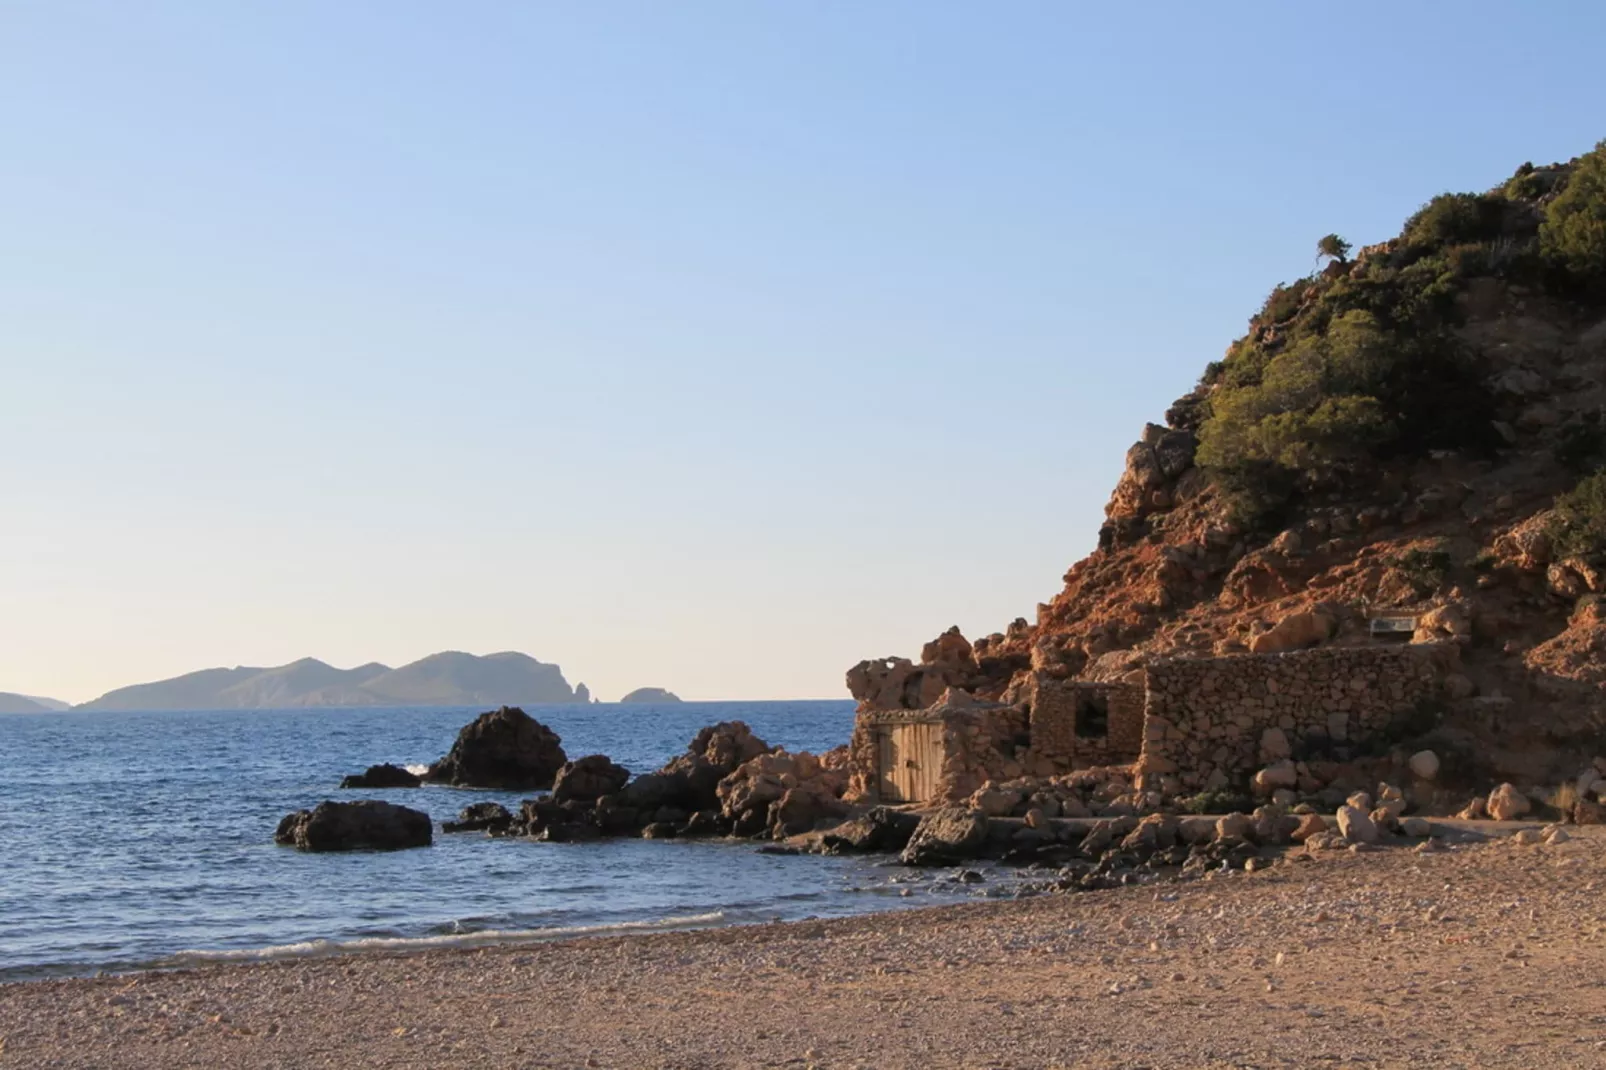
{"x": 1204, "y": 717}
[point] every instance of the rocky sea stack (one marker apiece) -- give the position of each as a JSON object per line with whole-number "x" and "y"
{"x": 366, "y": 825}
{"x": 506, "y": 749}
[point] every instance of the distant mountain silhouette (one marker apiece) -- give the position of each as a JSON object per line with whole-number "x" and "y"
{"x": 650, "y": 694}
{"x": 446, "y": 679}
{"x": 10, "y": 703}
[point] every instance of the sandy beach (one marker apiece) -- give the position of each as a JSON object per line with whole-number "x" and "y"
{"x": 1489, "y": 955}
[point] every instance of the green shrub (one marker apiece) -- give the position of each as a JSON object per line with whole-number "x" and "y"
{"x": 1257, "y": 494}
{"x": 1216, "y": 802}
{"x": 1579, "y": 525}
{"x": 1282, "y": 303}
{"x": 1573, "y": 233}
{"x": 1456, "y": 219}
{"x": 1333, "y": 247}
{"x": 1424, "y": 569}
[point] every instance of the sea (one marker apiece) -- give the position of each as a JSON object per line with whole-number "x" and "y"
{"x": 133, "y": 841}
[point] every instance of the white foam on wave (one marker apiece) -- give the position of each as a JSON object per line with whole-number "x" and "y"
{"x": 416, "y": 768}
{"x": 312, "y": 949}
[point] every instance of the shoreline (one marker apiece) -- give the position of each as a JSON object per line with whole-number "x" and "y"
{"x": 1005, "y": 879}
{"x": 1484, "y": 955}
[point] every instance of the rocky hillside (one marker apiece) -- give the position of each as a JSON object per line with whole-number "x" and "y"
{"x": 1413, "y": 431}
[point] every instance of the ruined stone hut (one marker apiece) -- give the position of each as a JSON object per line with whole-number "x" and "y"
{"x": 1200, "y": 720}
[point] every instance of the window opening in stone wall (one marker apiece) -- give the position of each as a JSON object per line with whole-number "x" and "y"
{"x": 1092, "y": 716}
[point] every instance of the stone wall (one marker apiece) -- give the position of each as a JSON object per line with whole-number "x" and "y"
{"x": 1062, "y": 725}
{"x": 1205, "y": 717}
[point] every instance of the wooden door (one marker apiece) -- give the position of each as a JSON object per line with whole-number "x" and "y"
{"x": 909, "y": 761}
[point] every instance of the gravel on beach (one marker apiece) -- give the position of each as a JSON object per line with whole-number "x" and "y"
{"x": 1490, "y": 955}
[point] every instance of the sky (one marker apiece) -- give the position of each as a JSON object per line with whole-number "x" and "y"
{"x": 714, "y": 346}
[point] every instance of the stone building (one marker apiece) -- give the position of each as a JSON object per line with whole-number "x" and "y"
{"x": 950, "y": 749}
{"x": 1201, "y": 720}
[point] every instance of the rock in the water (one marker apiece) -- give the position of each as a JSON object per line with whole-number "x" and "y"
{"x": 588, "y": 779}
{"x": 366, "y": 825}
{"x": 800, "y": 810}
{"x": 382, "y": 776}
{"x": 487, "y": 816}
{"x": 1506, "y": 803}
{"x": 878, "y": 829}
{"x": 946, "y": 836}
{"x": 1356, "y": 825}
{"x": 506, "y": 749}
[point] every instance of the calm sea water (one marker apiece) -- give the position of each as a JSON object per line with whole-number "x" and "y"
{"x": 134, "y": 840}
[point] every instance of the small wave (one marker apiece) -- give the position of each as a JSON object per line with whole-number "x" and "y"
{"x": 416, "y": 769}
{"x": 311, "y": 949}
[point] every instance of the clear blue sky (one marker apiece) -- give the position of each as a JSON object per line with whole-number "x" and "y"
{"x": 709, "y": 345}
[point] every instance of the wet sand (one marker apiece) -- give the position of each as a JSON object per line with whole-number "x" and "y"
{"x": 1491, "y": 955}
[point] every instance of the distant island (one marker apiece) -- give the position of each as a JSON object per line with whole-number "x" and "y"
{"x": 13, "y": 703}
{"x": 650, "y": 694}
{"x": 450, "y": 678}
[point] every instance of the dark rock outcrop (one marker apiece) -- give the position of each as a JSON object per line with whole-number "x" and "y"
{"x": 365, "y": 825}
{"x": 382, "y": 776}
{"x": 589, "y": 779}
{"x": 946, "y": 836}
{"x": 878, "y": 829}
{"x": 506, "y": 749}
{"x": 485, "y": 816}
{"x": 690, "y": 781}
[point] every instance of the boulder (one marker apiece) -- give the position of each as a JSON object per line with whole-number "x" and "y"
{"x": 1294, "y": 632}
{"x": 706, "y": 823}
{"x": 489, "y": 816}
{"x": 1232, "y": 828}
{"x": 366, "y": 825}
{"x": 1156, "y": 832}
{"x": 945, "y": 836}
{"x": 506, "y": 749}
{"x": 1424, "y": 764}
{"x": 1473, "y": 811}
{"x": 877, "y": 829}
{"x": 382, "y": 776}
{"x": 1417, "y": 827}
{"x": 1281, "y": 774}
{"x": 1588, "y": 813}
{"x": 1506, "y": 803}
{"x": 996, "y": 802}
{"x": 799, "y": 810}
{"x": 1309, "y": 825}
{"x": 1356, "y": 826}
{"x": 588, "y": 779}
{"x": 1273, "y": 825}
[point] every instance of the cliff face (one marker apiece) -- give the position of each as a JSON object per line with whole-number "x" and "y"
{"x": 1390, "y": 438}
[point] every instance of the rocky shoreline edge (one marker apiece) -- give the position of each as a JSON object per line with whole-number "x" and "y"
{"x": 1382, "y": 958}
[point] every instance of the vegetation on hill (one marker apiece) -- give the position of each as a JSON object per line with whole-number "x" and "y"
{"x": 1360, "y": 362}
